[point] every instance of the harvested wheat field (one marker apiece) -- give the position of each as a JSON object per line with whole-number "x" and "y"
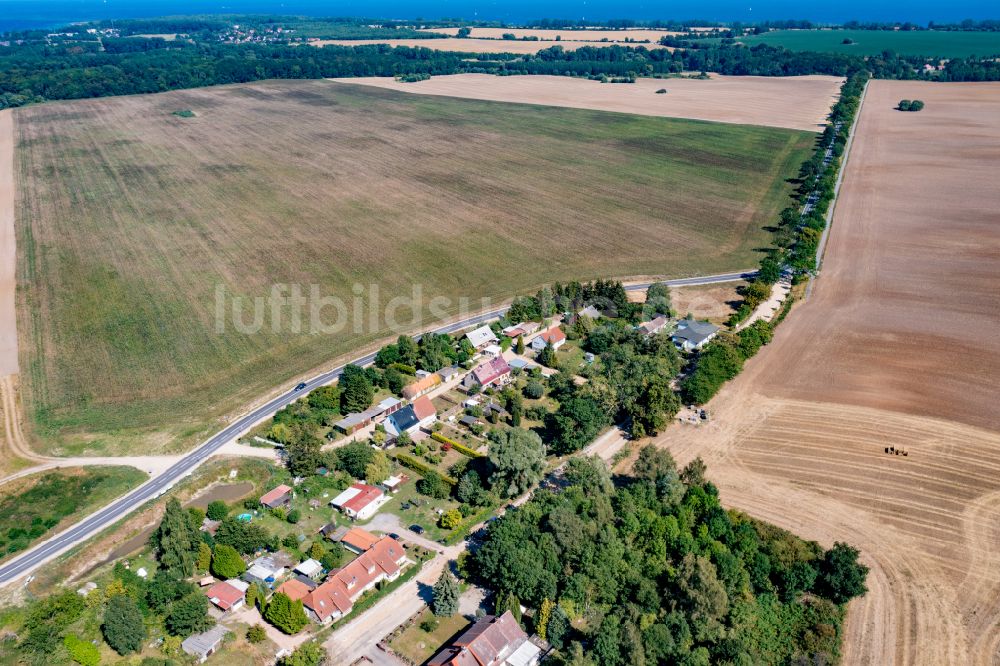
{"x": 546, "y": 35}
{"x": 795, "y": 102}
{"x": 130, "y": 218}
{"x": 462, "y": 45}
{"x": 897, "y": 347}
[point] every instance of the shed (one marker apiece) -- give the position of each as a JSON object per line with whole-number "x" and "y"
{"x": 202, "y": 646}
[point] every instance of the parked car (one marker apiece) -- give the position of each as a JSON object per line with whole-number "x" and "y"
{"x": 416, "y": 529}
{"x": 394, "y": 535}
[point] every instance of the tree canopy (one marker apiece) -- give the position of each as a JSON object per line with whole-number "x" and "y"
{"x": 659, "y": 572}
{"x": 517, "y": 461}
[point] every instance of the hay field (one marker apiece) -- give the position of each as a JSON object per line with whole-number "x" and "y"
{"x": 463, "y": 45}
{"x": 796, "y": 102}
{"x": 129, "y": 217}
{"x": 896, "y": 347}
{"x": 547, "y": 35}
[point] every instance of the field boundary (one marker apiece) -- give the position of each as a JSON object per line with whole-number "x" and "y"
{"x": 821, "y": 251}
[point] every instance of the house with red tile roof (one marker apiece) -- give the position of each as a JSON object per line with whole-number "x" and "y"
{"x": 294, "y": 588}
{"x": 335, "y": 598}
{"x": 421, "y": 386}
{"x": 360, "y": 501}
{"x": 491, "y": 641}
{"x": 280, "y": 496}
{"x": 358, "y": 540}
{"x": 494, "y": 372}
{"x": 227, "y": 595}
{"x": 553, "y": 336}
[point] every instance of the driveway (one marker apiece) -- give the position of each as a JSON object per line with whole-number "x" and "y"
{"x": 389, "y": 522}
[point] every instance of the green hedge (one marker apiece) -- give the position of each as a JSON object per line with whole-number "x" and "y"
{"x": 409, "y": 461}
{"x": 461, "y": 448}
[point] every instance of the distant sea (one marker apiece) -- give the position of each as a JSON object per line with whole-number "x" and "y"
{"x": 24, "y": 14}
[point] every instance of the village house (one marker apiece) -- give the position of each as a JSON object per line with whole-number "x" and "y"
{"x": 482, "y": 337}
{"x": 228, "y": 595}
{"x": 204, "y": 645}
{"x": 491, "y": 641}
{"x": 354, "y": 422}
{"x": 419, "y": 414}
{"x": 523, "y": 328}
{"x": 421, "y": 386}
{"x": 553, "y": 336}
{"x": 654, "y": 326}
{"x": 591, "y": 312}
{"x": 691, "y": 335}
{"x": 310, "y": 568}
{"x": 279, "y": 497}
{"x": 358, "y": 540}
{"x": 295, "y": 588}
{"x": 448, "y": 373}
{"x": 494, "y": 372}
{"x": 360, "y": 501}
{"x": 335, "y": 598}
{"x": 264, "y": 570}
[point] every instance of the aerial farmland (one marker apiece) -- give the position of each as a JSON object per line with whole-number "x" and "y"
{"x": 872, "y": 416}
{"x": 131, "y": 215}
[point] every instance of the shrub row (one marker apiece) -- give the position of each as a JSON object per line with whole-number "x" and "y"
{"x": 461, "y": 448}
{"x": 418, "y": 466}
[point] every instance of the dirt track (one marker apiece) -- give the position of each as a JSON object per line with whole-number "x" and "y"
{"x": 794, "y": 102}
{"x": 897, "y": 347}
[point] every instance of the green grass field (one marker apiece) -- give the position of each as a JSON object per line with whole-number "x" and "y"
{"x": 130, "y": 218}
{"x": 929, "y": 43}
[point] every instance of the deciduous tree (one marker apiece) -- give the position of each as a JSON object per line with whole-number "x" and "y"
{"x": 517, "y": 460}
{"x": 123, "y": 626}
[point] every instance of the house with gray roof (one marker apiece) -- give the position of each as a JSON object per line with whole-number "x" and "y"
{"x": 691, "y": 335}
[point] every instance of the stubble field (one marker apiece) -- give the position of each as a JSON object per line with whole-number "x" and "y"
{"x": 795, "y": 102}
{"x": 129, "y": 218}
{"x": 897, "y": 347}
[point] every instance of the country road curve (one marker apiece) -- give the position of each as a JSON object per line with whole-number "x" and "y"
{"x": 111, "y": 513}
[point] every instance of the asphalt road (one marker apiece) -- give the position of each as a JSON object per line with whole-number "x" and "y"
{"x": 103, "y": 518}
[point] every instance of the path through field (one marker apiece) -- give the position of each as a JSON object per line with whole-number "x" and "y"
{"x": 897, "y": 348}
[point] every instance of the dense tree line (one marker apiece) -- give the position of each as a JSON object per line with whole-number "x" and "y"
{"x": 654, "y": 570}
{"x": 40, "y": 69}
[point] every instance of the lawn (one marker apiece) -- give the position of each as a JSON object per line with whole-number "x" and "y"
{"x": 132, "y": 221}
{"x": 35, "y": 507}
{"x": 418, "y": 645}
{"x": 423, "y": 514}
{"x": 873, "y": 42}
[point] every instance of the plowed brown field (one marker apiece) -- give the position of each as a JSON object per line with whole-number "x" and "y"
{"x": 897, "y": 347}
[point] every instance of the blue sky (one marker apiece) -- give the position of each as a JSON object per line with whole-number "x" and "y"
{"x": 12, "y": 11}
